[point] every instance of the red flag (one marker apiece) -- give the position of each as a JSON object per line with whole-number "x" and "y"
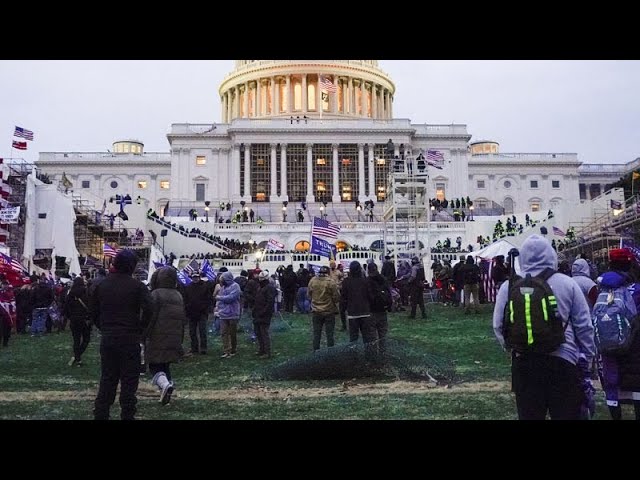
{"x": 19, "y": 145}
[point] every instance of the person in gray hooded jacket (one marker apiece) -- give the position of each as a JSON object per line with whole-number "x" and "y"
{"x": 228, "y": 310}
{"x": 581, "y": 274}
{"x": 551, "y": 381}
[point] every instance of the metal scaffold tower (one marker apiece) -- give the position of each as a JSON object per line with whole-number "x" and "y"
{"x": 19, "y": 170}
{"x": 406, "y": 205}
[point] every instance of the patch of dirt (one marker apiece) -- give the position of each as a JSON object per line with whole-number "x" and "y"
{"x": 146, "y": 391}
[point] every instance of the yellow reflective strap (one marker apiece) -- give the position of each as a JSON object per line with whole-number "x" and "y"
{"x": 527, "y": 316}
{"x": 544, "y": 309}
{"x": 511, "y": 311}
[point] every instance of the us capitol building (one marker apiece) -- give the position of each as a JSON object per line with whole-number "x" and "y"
{"x": 316, "y": 131}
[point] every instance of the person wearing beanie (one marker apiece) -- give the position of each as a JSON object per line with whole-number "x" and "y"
{"x": 120, "y": 307}
{"x": 549, "y": 381}
{"x": 325, "y": 298}
{"x": 165, "y": 331}
{"x": 263, "y": 308}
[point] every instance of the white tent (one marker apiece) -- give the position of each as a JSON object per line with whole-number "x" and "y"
{"x": 501, "y": 247}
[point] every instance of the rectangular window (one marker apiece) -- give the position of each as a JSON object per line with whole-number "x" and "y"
{"x": 533, "y": 183}
{"x": 164, "y": 184}
{"x": 535, "y": 207}
{"x": 201, "y": 160}
{"x": 199, "y": 192}
{"x": 321, "y": 161}
{"x": 86, "y": 184}
{"x": 42, "y": 215}
{"x": 142, "y": 184}
{"x": 480, "y": 204}
{"x": 480, "y": 183}
{"x": 555, "y": 183}
{"x": 440, "y": 193}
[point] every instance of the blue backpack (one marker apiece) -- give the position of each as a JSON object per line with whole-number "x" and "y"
{"x": 614, "y": 320}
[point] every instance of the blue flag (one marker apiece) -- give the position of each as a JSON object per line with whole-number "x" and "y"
{"x": 322, "y": 247}
{"x": 208, "y": 271}
{"x": 184, "y": 278}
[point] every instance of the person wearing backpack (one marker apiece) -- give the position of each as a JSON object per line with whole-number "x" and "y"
{"x": 544, "y": 320}
{"x": 617, "y": 347}
{"x": 380, "y": 294}
{"x": 471, "y": 278}
{"x": 76, "y": 309}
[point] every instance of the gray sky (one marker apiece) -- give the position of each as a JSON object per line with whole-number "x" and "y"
{"x": 588, "y": 107}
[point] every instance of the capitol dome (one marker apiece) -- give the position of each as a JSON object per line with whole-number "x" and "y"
{"x": 334, "y": 89}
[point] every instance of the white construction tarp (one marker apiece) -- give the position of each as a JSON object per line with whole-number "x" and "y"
{"x": 501, "y": 247}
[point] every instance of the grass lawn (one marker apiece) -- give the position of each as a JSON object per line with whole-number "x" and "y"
{"x": 36, "y": 383}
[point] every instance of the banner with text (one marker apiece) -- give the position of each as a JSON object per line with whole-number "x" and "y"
{"x": 322, "y": 247}
{"x": 9, "y": 215}
{"x": 275, "y": 245}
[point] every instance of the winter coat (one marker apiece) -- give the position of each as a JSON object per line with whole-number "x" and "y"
{"x": 197, "y": 298}
{"x": 73, "y": 307}
{"x": 228, "y": 300}
{"x": 264, "y": 302}
{"x": 354, "y": 297}
{"x": 41, "y": 295}
{"x": 165, "y": 332}
{"x": 324, "y": 295}
{"x": 250, "y": 291}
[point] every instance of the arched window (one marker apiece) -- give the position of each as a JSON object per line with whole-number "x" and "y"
{"x": 297, "y": 95}
{"x": 341, "y": 246}
{"x": 508, "y": 206}
{"x": 311, "y": 98}
{"x": 302, "y": 246}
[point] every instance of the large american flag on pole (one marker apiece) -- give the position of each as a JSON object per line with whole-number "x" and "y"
{"x": 328, "y": 85}
{"x": 435, "y": 158}
{"x": 109, "y": 251}
{"x": 23, "y": 133}
{"x": 324, "y": 228}
{"x": 486, "y": 279}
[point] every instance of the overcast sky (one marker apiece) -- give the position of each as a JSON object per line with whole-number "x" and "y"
{"x": 588, "y": 107}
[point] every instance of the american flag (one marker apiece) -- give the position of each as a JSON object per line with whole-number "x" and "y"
{"x": 193, "y": 266}
{"x": 435, "y": 155}
{"x": 557, "y": 231}
{"x": 19, "y": 145}
{"x": 23, "y": 133}
{"x": 616, "y": 205}
{"x": 324, "y": 228}
{"x": 328, "y": 85}
{"x": 486, "y": 279}
{"x": 13, "y": 263}
{"x": 109, "y": 251}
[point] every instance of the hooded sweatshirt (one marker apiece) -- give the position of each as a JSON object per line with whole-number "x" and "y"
{"x": 581, "y": 274}
{"x": 536, "y": 255}
{"x": 228, "y": 300}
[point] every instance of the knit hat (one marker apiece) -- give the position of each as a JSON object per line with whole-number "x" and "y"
{"x": 125, "y": 261}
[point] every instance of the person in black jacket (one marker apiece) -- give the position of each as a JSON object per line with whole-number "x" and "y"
{"x": 262, "y": 312}
{"x": 76, "y": 309}
{"x": 388, "y": 270}
{"x": 355, "y": 299}
{"x": 377, "y": 284}
{"x": 41, "y": 298}
{"x": 289, "y": 283}
{"x": 198, "y": 296}
{"x": 120, "y": 308}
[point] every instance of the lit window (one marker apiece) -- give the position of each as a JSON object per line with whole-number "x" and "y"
{"x": 114, "y": 184}
{"x": 126, "y": 148}
{"x": 480, "y": 183}
{"x": 381, "y": 194}
{"x": 555, "y": 183}
{"x": 535, "y": 207}
{"x": 321, "y": 187}
{"x": 534, "y": 184}
{"x": 346, "y": 193}
{"x": 380, "y": 161}
{"x": 311, "y": 98}
{"x": 86, "y": 184}
{"x": 201, "y": 160}
{"x": 142, "y": 184}
{"x": 440, "y": 191}
{"x": 260, "y": 162}
{"x": 164, "y": 184}
{"x": 346, "y": 161}
{"x": 321, "y": 161}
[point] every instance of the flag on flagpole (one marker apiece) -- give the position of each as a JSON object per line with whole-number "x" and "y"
{"x": 23, "y": 133}
{"x": 557, "y": 231}
{"x": 184, "y": 278}
{"x": 328, "y": 85}
{"x": 435, "y": 158}
{"x": 486, "y": 279}
{"x": 208, "y": 271}
{"x": 616, "y": 205}
{"x": 324, "y": 228}
{"x": 193, "y": 266}
{"x": 19, "y": 145}
{"x": 109, "y": 251}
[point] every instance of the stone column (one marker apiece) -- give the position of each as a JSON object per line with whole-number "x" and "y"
{"x": 344, "y": 95}
{"x": 334, "y": 105}
{"x": 390, "y": 106}
{"x": 276, "y": 101}
{"x": 258, "y": 111}
{"x": 288, "y": 94}
{"x": 273, "y": 173}
{"x": 310, "y": 172}
{"x": 374, "y": 101}
{"x": 336, "y": 175}
{"x": 318, "y": 95}
{"x": 237, "y": 101}
{"x": 224, "y": 108}
{"x": 283, "y": 172}
{"x": 254, "y": 87}
{"x": 372, "y": 183}
{"x": 273, "y": 96}
{"x": 350, "y": 95}
{"x": 245, "y": 101}
{"x": 361, "y": 193}
{"x": 363, "y": 98}
{"x": 305, "y": 95}
{"x": 235, "y": 176}
{"x": 247, "y": 172}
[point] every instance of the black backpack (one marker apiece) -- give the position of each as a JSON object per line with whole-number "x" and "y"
{"x": 531, "y": 321}
{"x": 380, "y": 297}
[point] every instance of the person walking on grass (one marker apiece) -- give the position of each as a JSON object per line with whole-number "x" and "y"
{"x": 325, "y": 299}
{"x": 263, "y": 307}
{"x": 76, "y": 309}
{"x": 228, "y": 310}
{"x": 120, "y": 308}
{"x": 165, "y": 332}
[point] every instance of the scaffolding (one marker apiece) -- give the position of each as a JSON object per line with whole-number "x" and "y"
{"x": 406, "y": 204}
{"x": 19, "y": 170}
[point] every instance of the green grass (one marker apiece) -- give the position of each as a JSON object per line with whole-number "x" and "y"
{"x": 32, "y": 365}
